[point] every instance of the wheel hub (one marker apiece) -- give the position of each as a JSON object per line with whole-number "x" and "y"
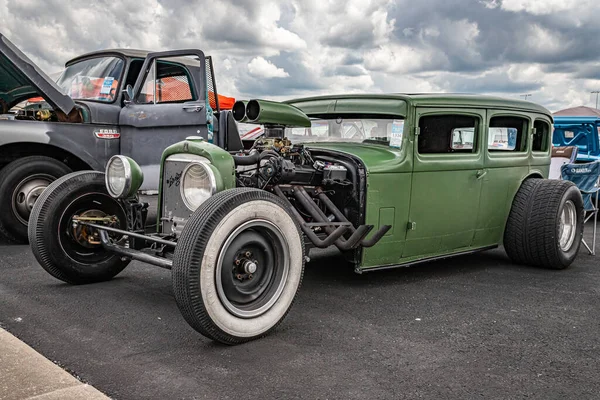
{"x": 252, "y": 268}
{"x": 85, "y": 235}
{"x": 567, "y": 228}
{"x": 244, "y": 266}
{"x": 26, "y": 194}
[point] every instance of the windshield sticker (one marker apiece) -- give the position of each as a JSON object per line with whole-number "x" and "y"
{"x": 107, "y": 85}
{"x": 397, "y": 132}
{"x": 569, "y": 135}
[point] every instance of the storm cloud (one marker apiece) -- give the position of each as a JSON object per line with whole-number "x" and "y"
{"x": 271, "y": 49}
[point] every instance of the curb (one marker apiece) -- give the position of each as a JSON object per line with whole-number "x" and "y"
{"x": 26, "y": 374}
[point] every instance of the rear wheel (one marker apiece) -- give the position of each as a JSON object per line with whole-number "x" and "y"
{"x": 21, "y": 183}
{"x": 71, "y": 253}
{"x": 545, "y": 225}
{"x": 238, "y": 265}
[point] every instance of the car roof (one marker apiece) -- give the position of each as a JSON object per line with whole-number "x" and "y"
{"x": 128, "y": 53}
{"x": 428, "y": 99}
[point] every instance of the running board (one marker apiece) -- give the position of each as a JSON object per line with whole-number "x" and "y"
{"x": 424, "y": 260}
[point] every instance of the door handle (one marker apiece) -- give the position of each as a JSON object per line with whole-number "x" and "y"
{"x": 481, "y": 173}
{"x": 193, "y": 108}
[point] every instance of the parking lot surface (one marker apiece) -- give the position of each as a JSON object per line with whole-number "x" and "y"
{"x": 469, "y": 327}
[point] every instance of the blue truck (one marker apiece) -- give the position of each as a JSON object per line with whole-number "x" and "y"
{"x": 582, "y": 132}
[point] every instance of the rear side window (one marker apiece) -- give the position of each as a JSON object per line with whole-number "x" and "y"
{"x": 541, "y": 134}
{"x": 440, "y": 134}
{"x": 507, "y": 134}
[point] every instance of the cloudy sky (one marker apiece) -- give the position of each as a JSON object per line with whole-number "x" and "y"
{"x": 281, "y": 49}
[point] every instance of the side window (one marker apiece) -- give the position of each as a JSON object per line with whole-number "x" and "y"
{"x": 166, "y": 82}
{"x": 507, "y": 134}
{"x": 447, "y": 134}
{"x": 541, "y": 133}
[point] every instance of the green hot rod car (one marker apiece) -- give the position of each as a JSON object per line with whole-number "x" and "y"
{"x": 390, "y": 180}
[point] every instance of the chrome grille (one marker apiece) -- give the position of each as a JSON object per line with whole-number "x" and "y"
{"x": 174, "y": 211}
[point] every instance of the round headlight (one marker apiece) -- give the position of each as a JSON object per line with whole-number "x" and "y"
{"x": 118, "y": 176}
{"x": 123, "y": 177}
{"x": 198, "y": 183}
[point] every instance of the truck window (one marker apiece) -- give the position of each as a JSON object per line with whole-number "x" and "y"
{"x": 507, "y": 134}
{"x": 447, "y": 134}
{"x": 166, "y": 82}
{"x": 541, "y": 133}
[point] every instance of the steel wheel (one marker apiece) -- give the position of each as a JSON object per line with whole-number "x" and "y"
{"x": 26, "y": 194}
{"x": 253, "y": 266}
{"x": 567, "y": 226}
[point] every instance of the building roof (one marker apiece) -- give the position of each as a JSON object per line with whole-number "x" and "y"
{"x": 581, "y": 111}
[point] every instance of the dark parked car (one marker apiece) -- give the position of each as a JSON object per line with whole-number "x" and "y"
{"x": 90, "y": 114}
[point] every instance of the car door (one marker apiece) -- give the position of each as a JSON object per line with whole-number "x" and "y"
{"x": 168, "y": 105}
{"x": 446, "y": 181}
{"x": 507, "y": 159}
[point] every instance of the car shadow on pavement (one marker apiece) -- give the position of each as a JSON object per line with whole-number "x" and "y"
{"x": 336, "y": 269}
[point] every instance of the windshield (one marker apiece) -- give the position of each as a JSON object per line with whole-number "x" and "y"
{"x": 93, "y": 79}
{"x": 387, "y": 131}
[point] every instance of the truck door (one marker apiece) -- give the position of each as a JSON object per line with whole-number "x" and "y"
{"x": 168, "y": 105}
{"x": 446, "y": 181}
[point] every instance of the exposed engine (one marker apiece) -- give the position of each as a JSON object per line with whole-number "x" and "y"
{"x": 278, "y": 161}
{"x": 39, "y": 111}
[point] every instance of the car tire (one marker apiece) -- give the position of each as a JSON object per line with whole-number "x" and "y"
{"x": 545, "y": 224}
{"x": 213, "y": 287}
{"x": 51, "y": 235}
{"x": 21, "y": 183}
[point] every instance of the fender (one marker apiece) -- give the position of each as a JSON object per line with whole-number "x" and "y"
{"x": 76, "y": 139}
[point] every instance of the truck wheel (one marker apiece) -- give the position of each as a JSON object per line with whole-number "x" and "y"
{"x": 545, "y": 225}
{"x": 21, "y": 183}
{"x": 238, "y": 265}
{"x": 67, "y": 253}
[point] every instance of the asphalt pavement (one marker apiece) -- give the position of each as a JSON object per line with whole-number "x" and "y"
{"x": 470, "y": 327}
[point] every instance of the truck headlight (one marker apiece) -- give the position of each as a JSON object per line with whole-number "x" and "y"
{"x": 123, "y": 177}
{"x": 198, "y": 183}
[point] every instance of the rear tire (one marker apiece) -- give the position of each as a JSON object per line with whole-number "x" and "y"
{"x": 238, "y": 265}
{"x": 545, "y": 224}
{"x": 21, "y": 183}
{"x": 51, "y": 232}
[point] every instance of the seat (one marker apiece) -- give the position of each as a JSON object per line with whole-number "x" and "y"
{"x": 560, "y": 156}
{"x": 586, "y": 177}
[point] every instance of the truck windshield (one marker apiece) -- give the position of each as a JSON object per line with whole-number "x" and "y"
{"x": 387, "y": 131}
{"x": 93, "y": 79}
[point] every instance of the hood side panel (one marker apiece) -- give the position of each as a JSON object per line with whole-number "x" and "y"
{"x": 20, "y": 79}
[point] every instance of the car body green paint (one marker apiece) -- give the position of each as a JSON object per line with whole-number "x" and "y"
{"x": 438, "y": 204}
{"x": 137, "y": 177}
{"x": 274, "y": 113}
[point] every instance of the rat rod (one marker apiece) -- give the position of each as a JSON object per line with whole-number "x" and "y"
{"x": 390, "y": 180}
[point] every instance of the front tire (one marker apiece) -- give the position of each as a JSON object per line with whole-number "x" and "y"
{"x": 21, "y": 183}
{"x": 238, "y": 265}
{"x": 545, "y": 225}
{"x": 51, "y": 233}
